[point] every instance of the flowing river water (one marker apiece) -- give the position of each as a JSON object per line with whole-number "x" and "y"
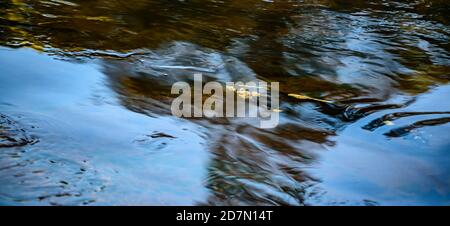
{"x": 85, "y": 102}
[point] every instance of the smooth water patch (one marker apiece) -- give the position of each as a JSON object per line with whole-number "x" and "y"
{"x": 88, "y": 152}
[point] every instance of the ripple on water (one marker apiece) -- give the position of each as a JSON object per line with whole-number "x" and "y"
{"x": 178, "y": 61}
{"x": 34, "y": 167}
{"x": 12, "y": 134}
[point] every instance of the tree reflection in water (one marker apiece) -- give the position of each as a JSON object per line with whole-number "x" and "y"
{"x": 368, "y": 57}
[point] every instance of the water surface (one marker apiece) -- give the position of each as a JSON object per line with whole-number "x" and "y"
{"x": 85, "y": 102}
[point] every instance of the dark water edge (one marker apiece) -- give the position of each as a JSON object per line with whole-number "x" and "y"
{"x": 85, "y": 103}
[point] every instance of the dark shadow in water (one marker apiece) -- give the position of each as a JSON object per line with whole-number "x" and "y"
{"x": 403, "y": 131}
{"x": 375, "y": 124}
